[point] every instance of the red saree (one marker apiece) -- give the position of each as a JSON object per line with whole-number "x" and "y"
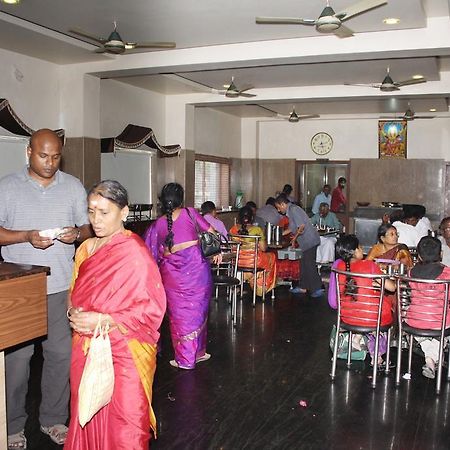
{"x": 120, "y": 279}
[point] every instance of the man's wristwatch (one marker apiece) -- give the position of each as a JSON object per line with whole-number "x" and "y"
{"x": 78, "y": 234}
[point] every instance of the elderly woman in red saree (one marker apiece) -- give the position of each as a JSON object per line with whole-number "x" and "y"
{"x": 265, "y": 260}
{"x": 116, "y": 281}
{"x": 388, "y": 247}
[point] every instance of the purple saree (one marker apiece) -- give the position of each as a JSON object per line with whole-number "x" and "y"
{"x": 187, "y": 280}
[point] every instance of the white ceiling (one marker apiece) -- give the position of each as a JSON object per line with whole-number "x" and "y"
{"x": 39, "y": 28}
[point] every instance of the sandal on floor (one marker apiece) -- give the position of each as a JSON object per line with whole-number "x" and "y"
{"x": 428, "y": 372}
{"x": 205, "y": 357}
{"x": 173, "y": 363}
{"x": 17, "y": 441}
{"x": 382, "y": 366}
{"x": 57, "y": 433}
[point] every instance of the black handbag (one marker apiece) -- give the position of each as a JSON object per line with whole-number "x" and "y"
{"x": 209, "y": 242}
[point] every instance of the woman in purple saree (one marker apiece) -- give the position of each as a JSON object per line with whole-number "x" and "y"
{"x": 186, "y": 275}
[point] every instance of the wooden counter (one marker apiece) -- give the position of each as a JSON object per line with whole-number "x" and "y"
{"x": 23, "y": 316}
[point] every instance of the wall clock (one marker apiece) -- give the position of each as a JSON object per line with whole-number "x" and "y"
{"x": 321, "y": 143}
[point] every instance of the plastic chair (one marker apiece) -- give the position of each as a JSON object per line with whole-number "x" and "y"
{"x": 424, "y": 303}
{"x": 225, "y": 273}
{"x": 358, "y": 300}
{"x": 248, "y": 261}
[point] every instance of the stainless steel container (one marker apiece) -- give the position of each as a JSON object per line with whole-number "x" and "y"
{"x": 277, "y": 235}
{"x": 269, "y": 233}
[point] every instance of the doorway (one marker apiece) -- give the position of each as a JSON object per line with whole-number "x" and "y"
{"x": 312, "y": 175}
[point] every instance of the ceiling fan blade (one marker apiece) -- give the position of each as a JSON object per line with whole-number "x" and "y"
{"x": 101, "y": 50}
{"x": 343, "y": 32}
{"x": 309, "y": 116}
{"x": 359, "y": 8}
{"x": 246, "y": 94}
{"x": 266, "y": 109}
{"x": 284, "y": 20}
{"x": 246, "y": 89}
{"x": 375, "y": 86}
{"x": 424, "y": 117}
{"x": 409, "y": 82}
{"x": 82, "y": 33}
{"x": 153, "y": 44}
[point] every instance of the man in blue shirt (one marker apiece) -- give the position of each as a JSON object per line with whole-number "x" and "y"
{"x": 322, "y": 197}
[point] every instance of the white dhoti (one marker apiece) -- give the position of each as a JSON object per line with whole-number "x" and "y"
{"x": 325, "y": 251}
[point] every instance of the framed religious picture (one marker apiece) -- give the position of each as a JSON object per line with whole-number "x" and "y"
{"x": 392, "y": 138}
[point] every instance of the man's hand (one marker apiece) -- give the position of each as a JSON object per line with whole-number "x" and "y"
{"x": 69, "y": 236}
{"x": 37, "y": 241}
{"x": 300, "y": 229}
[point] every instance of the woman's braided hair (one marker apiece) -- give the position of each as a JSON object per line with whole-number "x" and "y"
{"x": 245, "y": 218}
{"x": 345, "y": 249}
{"x": 172, "y": 196}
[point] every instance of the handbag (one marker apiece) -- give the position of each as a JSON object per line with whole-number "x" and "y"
{"x": 97, "y": 382}
{"x": 356, "y": 355}
{"x": 210, "y": 243}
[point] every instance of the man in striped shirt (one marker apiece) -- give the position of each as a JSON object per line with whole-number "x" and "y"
{"x": 38, "y": 198}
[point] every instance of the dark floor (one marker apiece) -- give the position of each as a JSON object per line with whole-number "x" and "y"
{"x": 247, "y": 396}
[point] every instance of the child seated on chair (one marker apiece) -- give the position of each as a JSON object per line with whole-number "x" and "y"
{"x": 350, "y": 258}
{"x": 429, "y": 267}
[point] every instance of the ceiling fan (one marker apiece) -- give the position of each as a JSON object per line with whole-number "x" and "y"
{"x": 409, "y": 115}
{"x": 328, "y": 21}
{"x": 389, "y": 85}
{"x": 232, "y": 91}
{"x": 116, "y": 45}
{"x": 293, "y": 117}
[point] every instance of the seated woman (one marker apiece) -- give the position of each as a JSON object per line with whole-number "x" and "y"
{"x": 350, "y": 258}
{"x": 265, "y": 260}
{"x": 388, "y": 247}
{"x": 427, "y": 301}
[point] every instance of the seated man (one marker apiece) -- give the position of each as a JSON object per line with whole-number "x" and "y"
{"x": 412, "y": 226}
{"x": 323, "y": 220}
{"x": 423, "y": 224}
{"x": 209, "y": 212}
{"x": 322, "y": 197}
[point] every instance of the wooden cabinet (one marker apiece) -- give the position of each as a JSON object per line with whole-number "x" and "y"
{"x": 23, "y": 316}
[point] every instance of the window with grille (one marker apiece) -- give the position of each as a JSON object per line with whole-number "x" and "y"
{"x": 212, "y": 181}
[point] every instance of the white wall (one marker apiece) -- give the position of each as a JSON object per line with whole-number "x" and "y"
{"x": 217, "y": 133}
{"x": 121, "y": 104}
{"x": 32, "y": 88}
{"x": 249, "y": 138}
{"x": 352, "y": 137}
